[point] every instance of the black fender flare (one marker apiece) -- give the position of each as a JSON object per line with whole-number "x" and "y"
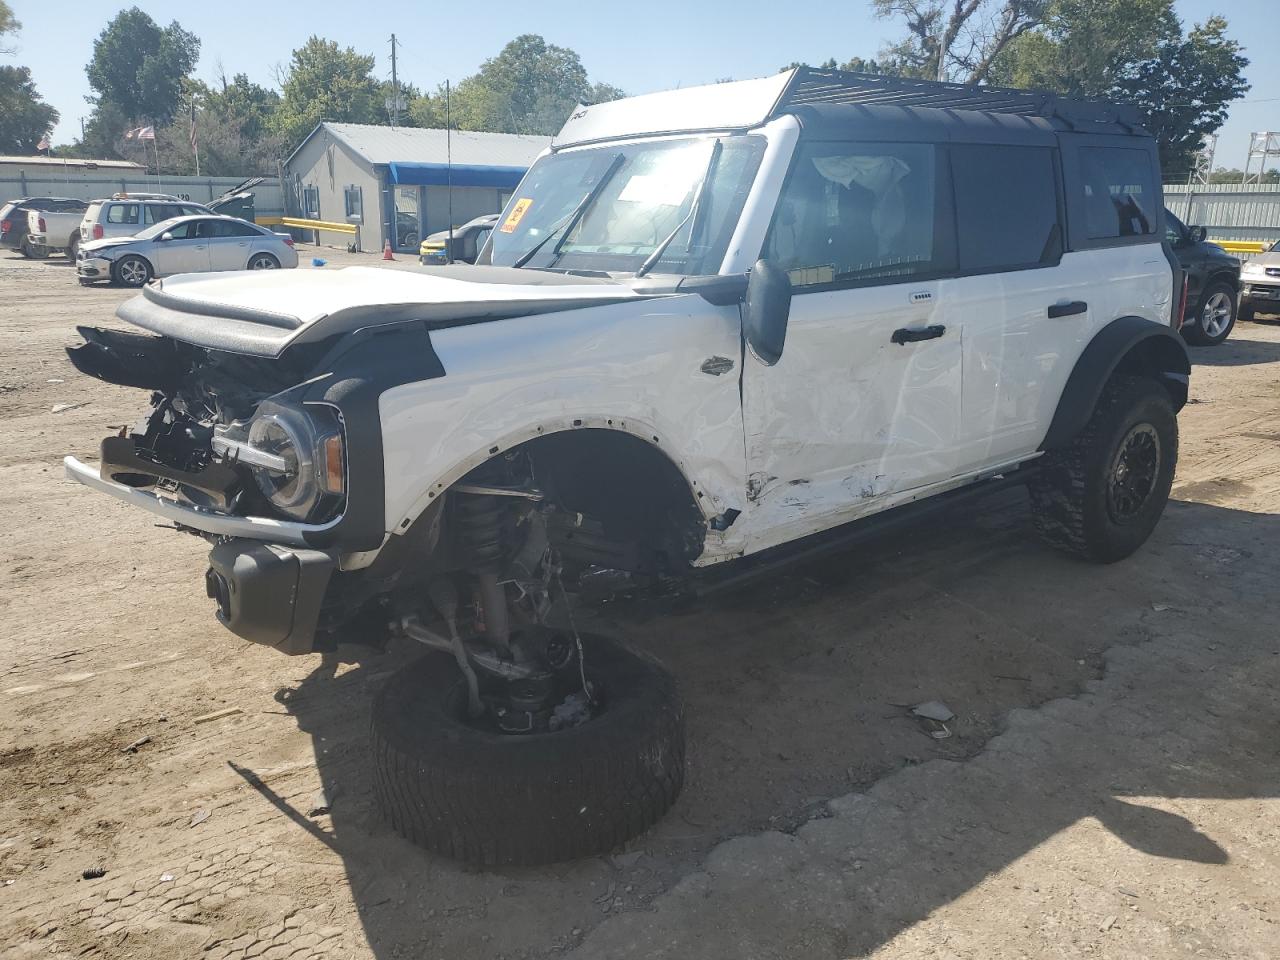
{"x": 1127, "y": 344}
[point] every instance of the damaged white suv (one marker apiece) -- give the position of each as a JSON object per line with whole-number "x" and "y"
{"x": 719, "y": 324}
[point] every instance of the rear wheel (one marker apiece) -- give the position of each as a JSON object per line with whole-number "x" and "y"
{"x": 33, "y": 251}
{"x": 131, "y": 271}
{"x": 263, "y": 261}
{"x": 1100, "y": 497}
{"x": 1245, "y": 313}
{"x": 1215, "y": 317}
{"x": 468, "y": 789}
{"x": 73, "y": 247}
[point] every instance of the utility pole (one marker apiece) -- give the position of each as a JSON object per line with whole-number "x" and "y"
{"x": 395, "y": 86}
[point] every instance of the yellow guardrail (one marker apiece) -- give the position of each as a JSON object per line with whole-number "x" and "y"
{"x": 1241, "y": 246}
{"x": 347, "y": 228}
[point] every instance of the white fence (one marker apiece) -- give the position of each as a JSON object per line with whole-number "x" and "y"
{"x": 268, "y": 198}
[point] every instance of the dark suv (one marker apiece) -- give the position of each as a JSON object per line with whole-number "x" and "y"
{"x": 1213, "y": 283}
{"x": 13, "y": 218}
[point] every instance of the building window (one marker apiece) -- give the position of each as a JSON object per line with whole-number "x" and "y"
{"x": 354, "y": 201}
{"x": 311, "y": 203}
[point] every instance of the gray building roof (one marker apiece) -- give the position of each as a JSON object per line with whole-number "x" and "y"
{"x": 382, "y": 145}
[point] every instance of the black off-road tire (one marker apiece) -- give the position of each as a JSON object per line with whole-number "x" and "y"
{"x": 1069, "y": 493}
{"x": 502, "y": 799}
{"x": 1245, "y": 313}
{"x": 1194, "y": 331}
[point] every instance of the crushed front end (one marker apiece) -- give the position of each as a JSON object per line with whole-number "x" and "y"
{"x": 258, "y": 455}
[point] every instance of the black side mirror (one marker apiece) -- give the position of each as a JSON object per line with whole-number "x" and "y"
{"x": 765, "y": 311}
{"x": 1198, "y": 234}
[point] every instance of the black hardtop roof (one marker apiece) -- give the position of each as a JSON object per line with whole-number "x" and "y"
{"x": 946, "y": 110}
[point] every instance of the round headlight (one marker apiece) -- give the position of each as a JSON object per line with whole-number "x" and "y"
{"x": 294, "y": 490}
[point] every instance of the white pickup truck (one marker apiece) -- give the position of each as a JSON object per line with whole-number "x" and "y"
{"x": 52, "y": 231}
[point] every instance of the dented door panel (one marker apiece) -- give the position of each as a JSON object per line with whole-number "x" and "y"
{"x": 848, "y": 417}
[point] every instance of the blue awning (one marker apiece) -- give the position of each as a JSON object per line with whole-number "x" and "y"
{"x": 439, "y": 174}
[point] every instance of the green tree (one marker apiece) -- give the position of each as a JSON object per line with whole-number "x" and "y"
{"x": 138, "y": 68}
{"x": 531, "y": 86}
{"x": 958, "y": 40}
{"x": 1083, "y": 45}
{"x": 1185, "y": 88}
{"x": 24, "y": 117}
{"x": 326, "y": 82}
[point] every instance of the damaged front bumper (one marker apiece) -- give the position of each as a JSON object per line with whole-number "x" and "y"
{"x": 200, "y": 519}
{"x": 268, "y": 584}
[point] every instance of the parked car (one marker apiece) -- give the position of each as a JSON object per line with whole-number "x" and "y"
{"x": 1260, "y": 278}
{"x": 184, "y": 245}
{"x": 1213, "y": 282}
{"x": 406, "y": 230}
{"x": 13, "y": 219}
{"x": 49, "y": 232}
{"x": 468, "y": 240}
{"x": 124, "y": 216}
{"x": 719, "y": 326}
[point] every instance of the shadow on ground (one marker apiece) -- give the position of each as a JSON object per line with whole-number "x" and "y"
{"x": 795, "y": 694}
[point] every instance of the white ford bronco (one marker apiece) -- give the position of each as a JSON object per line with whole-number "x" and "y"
{"x": 715, "y": 326}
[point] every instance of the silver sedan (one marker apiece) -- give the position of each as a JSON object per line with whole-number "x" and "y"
{"x": 191, "y": 244}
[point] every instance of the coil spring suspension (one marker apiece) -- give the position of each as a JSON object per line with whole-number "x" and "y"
{"x": 480, "y": 530}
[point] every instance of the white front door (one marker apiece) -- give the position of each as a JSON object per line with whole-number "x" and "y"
{"x": 865, "y": 401}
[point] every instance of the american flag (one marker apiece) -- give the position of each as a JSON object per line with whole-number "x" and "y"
{"x": 44, "y": 143}
{"x": 146, "y": 133}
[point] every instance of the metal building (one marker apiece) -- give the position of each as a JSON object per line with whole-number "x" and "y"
{"x": 394, "y": 182}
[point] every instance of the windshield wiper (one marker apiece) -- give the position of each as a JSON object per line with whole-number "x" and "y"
{"x": 652, "y": 260}
{"x": 574, "y": 216}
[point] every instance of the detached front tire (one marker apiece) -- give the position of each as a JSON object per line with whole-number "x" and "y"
{"x": 491, "y": 798}
{"x": 1100, "y": 497}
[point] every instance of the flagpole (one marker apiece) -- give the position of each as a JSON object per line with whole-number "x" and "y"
{"x": 448, "y": 166}
{"x": 195, "y": 144}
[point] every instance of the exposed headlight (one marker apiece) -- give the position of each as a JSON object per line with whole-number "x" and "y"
{"x": 296, "y": 457}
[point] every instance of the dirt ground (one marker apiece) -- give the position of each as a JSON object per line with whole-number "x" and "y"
{"x": 818, "y": 819}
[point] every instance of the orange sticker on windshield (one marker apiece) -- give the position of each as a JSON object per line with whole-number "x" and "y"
{"x": 517, "y": 212}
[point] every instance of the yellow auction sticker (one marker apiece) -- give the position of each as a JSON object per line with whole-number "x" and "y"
{"x": 517, "y": 212}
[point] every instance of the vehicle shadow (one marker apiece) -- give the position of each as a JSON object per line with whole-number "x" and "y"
{"x": 795, "y": 694}
{"x": 1237, "y": 351}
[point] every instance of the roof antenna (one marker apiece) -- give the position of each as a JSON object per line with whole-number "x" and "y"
{"x": 448, "y": 167}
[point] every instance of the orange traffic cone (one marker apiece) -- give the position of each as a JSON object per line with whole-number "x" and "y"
{"x": 386, "y": 251}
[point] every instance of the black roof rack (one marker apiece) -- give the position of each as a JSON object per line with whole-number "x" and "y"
{"x": 811, "y": 86}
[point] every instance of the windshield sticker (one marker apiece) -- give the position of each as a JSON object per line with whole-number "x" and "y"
{"x": 655, "y": 189}
{"x": 517, "y": 213}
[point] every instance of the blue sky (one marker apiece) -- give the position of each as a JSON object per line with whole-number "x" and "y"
{"x": 643, "y": 46}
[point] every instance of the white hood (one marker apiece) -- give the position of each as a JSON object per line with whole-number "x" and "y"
{"x": 263, "y": 312}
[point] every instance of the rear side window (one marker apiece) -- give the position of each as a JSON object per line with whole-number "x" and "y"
{"x": 159, "y": 212}
{"x": 122, "y": 213}
{"x": 861, "y": 213}
{"x": 1006, "y": 206}
{"x": 1120, "y": 197}
{"x": 227, "y": 228}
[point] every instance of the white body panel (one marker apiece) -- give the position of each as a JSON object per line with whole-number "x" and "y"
{"x": 58, "y": 228}
{"x": 633, "y": 368}
{"x": 1017, "y": 359}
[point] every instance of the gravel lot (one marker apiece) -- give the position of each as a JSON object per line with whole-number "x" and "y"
{"x": 1110, "y": 789}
